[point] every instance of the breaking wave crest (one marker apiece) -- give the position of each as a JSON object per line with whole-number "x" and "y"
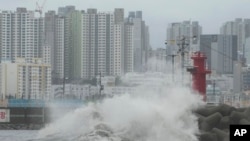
{"x": 161, "y": 113}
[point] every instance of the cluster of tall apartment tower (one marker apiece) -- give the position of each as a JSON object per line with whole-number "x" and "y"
{"x": 37, "y": 51}
{"x": 77, "y": 44}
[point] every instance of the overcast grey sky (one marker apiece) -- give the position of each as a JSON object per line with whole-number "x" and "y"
{"x": 211, "y": 14}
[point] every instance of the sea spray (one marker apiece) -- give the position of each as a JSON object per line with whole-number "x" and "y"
{"x": 161, "y": 111}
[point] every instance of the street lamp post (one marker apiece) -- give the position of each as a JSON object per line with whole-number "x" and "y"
{"x": 182, "y": 50}
{"x": 182, "y": 47}
{"x": 100, "y": 84}
{"x": 65, "y": 78}
{"x": 63, "y": 87}
{"x": 89, "y": 94}
{"x": 172, "y": 57}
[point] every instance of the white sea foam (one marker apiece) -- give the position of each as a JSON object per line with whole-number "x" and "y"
{"x": 159, "y": 113}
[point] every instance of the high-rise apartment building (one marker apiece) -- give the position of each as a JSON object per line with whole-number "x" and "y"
{"x": 245, "y": 78}
{"x": 25, "y": 56}
{"x": 240, "y": 28}
{"x": 241, "y": 78}
{"x": 25, "y": 80}
{"x": 54, "y": 44}
{"x": 118, "y": 42}
{"x": 119, "y": 16}
{"x": 98, "y": 40}
{"x": 21, "y": 35}
{"x": 76, "y": 46}
{"x": 140, "y": 40}
{"x": 128, "y": 47}
{"x": 118, "y": 50}
{"x": 123, "y": 44}
{"x": 188, "y": 29}
{"x": 221, "y": 52}
{"x": 138, "y": 44}
{"x": 105, "y": 43}
{"x": 58, "y": 64}
{"x": 94, "y": 42}
{"x": 246, "y": 51}
{"x": 65, "y": 13}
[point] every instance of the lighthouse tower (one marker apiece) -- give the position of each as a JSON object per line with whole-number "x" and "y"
{"x": 199, "y": 72}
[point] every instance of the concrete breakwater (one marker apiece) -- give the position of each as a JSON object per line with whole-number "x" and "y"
{"x": 214, "y": 122}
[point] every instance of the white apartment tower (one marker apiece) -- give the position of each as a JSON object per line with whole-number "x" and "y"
{"x": 25, "y": 80}
{"x": 89, "y": 48}
{"x": 140, "y": 37}
{"x": 137, "y": 44}
{"x": 118, "y": 53}
{"x": 240, "y": 28}
{"x": 21, "y": 35}
{"x": 59, "y": 48}
{"x": 34, "y": 80}
{"x": 97, "y": 39}
{"x": 118, "y": 50}
{"x": 128, "y": 47}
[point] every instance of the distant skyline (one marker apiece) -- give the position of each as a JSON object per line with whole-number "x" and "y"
{"x": 157, "y": 13}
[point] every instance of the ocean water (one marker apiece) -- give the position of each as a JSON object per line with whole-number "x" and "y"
{"x": 159, "y": 113}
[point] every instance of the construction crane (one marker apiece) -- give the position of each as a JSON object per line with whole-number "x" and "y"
{"x": 39, "y": 8}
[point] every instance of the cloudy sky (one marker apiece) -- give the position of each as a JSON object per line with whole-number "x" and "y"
{"x": 211, "y": 14}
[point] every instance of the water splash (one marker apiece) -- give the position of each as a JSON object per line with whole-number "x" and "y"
{"x": 162, "y": 112}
